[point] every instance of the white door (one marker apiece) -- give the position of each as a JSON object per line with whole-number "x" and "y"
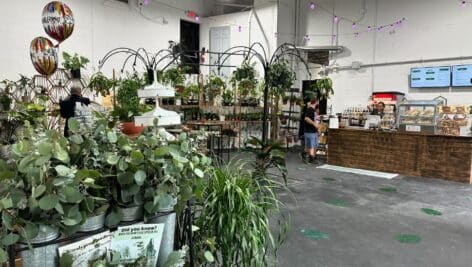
{"x": 220, "y": 38}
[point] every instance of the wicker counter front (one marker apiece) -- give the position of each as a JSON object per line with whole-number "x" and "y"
{"x": 444, "y": 157}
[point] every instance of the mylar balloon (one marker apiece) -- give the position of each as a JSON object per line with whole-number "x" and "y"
{"x": 58, "y": 20}
{"x": 43, "y": 55}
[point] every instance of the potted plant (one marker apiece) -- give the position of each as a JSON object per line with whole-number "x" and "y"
{"x": 322, "y": 89}
{"x": 100, "y": 84}
{"x": 215, "y": 86}
{"x": 128, "y": 104}
{"x": 245, "y": 79}
{"x": 280, "y": 78}
{"x": 41, "y": 194}
{"x": 191, "y": 94}
{"x": 74, "y": 63}
{"x": 231, "y": 198}
{"x": 227, "y": 98}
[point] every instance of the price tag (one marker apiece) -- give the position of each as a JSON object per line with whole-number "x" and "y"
{"x": 413, "y": 128}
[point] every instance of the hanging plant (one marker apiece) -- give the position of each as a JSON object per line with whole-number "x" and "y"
{"x": 245, "y": 77}
{"x": 215, "y": 85}
{"x": 173, "y": 76}
{"x": 101, "y": 84}
{"x": 321, "y": 89}
{"x": 280, "y": 78}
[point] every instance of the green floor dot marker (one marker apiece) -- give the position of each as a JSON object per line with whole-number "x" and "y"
{"x": 337, "y": 202}
{"x": 302, "y": 169}
{"x": 431, "y": 212}
{"x": 329, "y": 179}
{"x": 389, "y": 189}
{"x": 408, "y": 239}
{"x": 314, "y": 234}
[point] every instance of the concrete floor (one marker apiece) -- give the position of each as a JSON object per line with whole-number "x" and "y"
{"x": 363, "y": 233}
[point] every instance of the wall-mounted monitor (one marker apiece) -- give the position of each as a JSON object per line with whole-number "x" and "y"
{"x": 462, "y": 75}
{"x": 430, "y": 77}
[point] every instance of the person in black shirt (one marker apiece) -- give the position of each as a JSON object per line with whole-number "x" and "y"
{"x": 68, "y": 106}
{"x": 311, "y": 131}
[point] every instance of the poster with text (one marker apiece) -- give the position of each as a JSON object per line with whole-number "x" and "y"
{"x": 137, "y": 244}
{"x": 86, "y": 250}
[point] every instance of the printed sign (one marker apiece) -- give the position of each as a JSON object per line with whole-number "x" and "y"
{"x": 88, "y": 249}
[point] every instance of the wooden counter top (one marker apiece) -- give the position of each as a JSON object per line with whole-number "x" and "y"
{"x": 411, "y": 154}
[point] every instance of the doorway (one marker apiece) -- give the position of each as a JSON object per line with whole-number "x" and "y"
{"x": 190, "y": 45}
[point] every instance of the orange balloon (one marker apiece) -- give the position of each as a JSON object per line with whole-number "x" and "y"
{"x": 58, "y": 21}
{"x": 43, "y": 55}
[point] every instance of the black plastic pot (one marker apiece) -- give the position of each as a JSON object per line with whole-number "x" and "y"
{"x": 150, "y": 76}
{"x": 75, "y": 74}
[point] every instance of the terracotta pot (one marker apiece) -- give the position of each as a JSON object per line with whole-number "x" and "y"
{"x": 130, "y": 129}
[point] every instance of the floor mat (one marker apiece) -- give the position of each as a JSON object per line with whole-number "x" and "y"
{"x": 384, "y": 175}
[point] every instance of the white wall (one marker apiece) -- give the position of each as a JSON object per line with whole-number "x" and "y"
{"x": 434, "y": 29}
{"x": 101, "y": 25}
{"x": 251, "y": 32}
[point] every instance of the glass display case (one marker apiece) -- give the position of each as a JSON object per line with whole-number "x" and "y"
{"x": 419, "y": 116}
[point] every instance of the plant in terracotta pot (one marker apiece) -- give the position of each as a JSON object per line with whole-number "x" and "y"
{"x": 74, "y": 63}
{"x": 100, "y": 84}
{"x": 128, "y": 104}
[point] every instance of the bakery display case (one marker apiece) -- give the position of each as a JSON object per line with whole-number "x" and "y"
{"x": 419, "y": 116}
{"x": 452, "y": 119}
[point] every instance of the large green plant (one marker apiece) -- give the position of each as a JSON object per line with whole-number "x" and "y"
{"x": 173, "y": 76}
{"x": 280, "y": 78}
{"x": 74, "y": 62}
{"x": 245, "y": 78}
{"x": 127, "y": 98}
{"x": 321, "y": 89}
{"x": 41, "y": 186}
{"x": 235, "y": 221}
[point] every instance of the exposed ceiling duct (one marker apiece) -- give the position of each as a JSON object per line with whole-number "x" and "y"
{"x": 232, "y": 6}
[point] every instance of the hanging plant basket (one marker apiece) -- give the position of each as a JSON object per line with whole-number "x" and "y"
{"x": 130, "y": 129}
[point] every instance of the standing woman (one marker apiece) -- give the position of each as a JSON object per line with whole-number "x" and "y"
{"x": 311, "y": 131}
{"x": 68, "y": 106}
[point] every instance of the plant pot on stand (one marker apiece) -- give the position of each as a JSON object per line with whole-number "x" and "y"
{"x": 131, "y": 129}
{"x": 93, "y": 223}
{"x": 75, "y": 73}
{"x": 42, "y": 256}
{"x": 166, "y": 215}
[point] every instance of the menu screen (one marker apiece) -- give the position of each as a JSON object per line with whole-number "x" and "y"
{"x": 430, "y": 77}
{"x": 462, "y": 75}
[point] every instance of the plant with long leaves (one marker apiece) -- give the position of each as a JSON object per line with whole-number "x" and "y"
{"x": 235, "y": 221}
{"x": 269, "y": 155}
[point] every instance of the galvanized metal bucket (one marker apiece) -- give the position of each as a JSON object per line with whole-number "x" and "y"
{"x": 44, "y": 256}
{"x": 93, "y": 223}
{"x": 167, "y": 217}
{"x": 131, "y": 214}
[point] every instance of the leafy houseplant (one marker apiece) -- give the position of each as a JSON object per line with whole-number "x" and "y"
{"x": 322, "y": 89}
{"x": 215, "y": 86}
{"x": 74, "y": 63}
{"x": 228, "y": 98}
{"x": 101, "y": 84}
{"x": 235, "y": 228}
{"x": 128, "y": 103}
{"x": 245, "y": 78}
{"x": 280, "y": 78}
{"x": 5, "y": 102}
{"x": 191, "y": 94}
{"x": 174, "y": 76}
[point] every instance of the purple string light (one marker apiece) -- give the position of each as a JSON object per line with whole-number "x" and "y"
{"x": 312, "y": 6}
